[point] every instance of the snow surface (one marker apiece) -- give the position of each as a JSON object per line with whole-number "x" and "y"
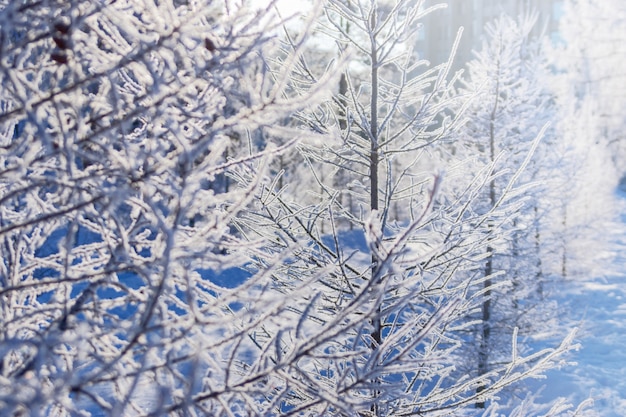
{"x": 599, "y": 305}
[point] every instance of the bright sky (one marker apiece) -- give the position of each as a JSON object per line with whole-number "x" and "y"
{"x": 292, "y": 6}
{"x": 286, "y": 7}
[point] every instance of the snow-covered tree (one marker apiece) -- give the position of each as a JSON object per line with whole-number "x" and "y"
{"x": 122, "y": 121}
{"x": 508, "y": 131}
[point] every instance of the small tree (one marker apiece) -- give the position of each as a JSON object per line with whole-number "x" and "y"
{"x": 388, "y": 304}
{"x": 508, "y": 130}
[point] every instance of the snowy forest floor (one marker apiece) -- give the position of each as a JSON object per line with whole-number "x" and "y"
{"x": 597, "y": 305}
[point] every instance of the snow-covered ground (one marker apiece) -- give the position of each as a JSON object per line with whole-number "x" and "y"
{"x": 599, "y": 305}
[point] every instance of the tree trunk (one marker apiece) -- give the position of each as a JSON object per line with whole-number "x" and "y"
{"x": 483, "y": 353}
{"x": 373, "y": 173}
